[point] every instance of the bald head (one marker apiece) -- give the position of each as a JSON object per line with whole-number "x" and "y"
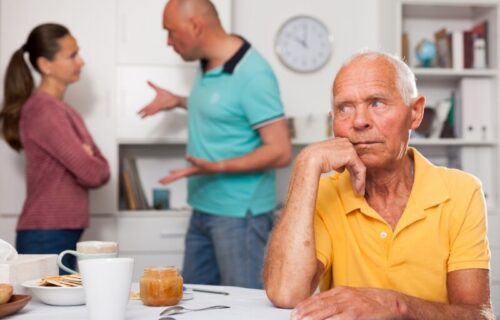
{"x": 199, "y": 8}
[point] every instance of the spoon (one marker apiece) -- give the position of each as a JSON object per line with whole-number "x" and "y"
{"x": 170, "y": 311}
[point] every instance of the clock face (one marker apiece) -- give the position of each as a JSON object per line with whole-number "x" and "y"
{"x": 304, "y": 44}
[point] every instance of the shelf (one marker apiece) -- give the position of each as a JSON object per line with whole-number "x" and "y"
{"x": 154, "y": 213}
{"x": 146, "y": 141}
{"x": 457, "y": 9}
{"x": 427, "y": 73}
{"x": 452, "y": 142}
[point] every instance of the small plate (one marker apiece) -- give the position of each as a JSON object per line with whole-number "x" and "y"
{"x": 56, "y": 296}
{"x": 16, "y": 303}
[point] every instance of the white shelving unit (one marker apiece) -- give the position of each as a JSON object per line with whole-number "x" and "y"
{"x": 420, "y": 19}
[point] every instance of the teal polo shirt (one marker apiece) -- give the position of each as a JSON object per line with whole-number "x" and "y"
{"x": 226, "y": 107}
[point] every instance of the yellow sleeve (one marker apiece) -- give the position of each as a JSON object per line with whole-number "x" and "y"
{"x": 323, "y": 250}
{"x": 468, "y": 242}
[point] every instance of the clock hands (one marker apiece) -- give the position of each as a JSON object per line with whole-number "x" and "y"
{"x": 305, "y": 37}
{"x": 301, "y": 41}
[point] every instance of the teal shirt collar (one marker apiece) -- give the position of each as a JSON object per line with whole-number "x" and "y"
{"x": 231, "y": 64}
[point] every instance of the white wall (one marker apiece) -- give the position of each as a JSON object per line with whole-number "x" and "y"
{"x": 352, "y": 30}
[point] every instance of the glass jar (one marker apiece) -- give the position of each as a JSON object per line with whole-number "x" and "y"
{"x": 161, "y": 286}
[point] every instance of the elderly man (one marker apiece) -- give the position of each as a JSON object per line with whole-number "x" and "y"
{"x": 390, "y": 236}
{"x": 237, "y": 137}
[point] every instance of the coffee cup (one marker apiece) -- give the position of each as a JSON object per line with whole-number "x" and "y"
{"x": 106, "y": 283}
{"x": 89, "y": 250}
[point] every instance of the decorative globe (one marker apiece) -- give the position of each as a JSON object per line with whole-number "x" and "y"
{"x": 425, "y": 52}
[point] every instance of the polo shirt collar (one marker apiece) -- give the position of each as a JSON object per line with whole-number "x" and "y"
{"x": 231, "y": 64}
{"x": 428, "y": 190}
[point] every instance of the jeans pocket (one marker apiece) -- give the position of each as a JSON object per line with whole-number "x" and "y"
{"x": 261, "y": 225}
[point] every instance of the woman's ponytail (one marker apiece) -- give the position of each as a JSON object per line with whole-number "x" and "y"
{"x": 18, "y": 86}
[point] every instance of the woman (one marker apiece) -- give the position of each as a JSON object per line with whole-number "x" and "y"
{"x": 62, "y": 160}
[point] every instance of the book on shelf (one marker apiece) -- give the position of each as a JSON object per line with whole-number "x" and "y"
{"x": 443, "y": 48}
{"x": 128, "y": 191}
{"x": 132, "y": 186}
{"x": 474, "y": 100}
{"x": 427, "y": 124}
{"x": 462, "y": 48}
{"x": 457, "y": 49}
{"x": 448, "y": 129}
{"x": 442, "y": 110}
{"x": 405, "y": 45}
{"x": 480, "y": 45}
{"x": 468, "y": 53}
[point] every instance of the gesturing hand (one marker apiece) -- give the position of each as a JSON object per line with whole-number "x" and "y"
{"x": 336, "y": 154}
{"x": 199, "y": 166}
{"x": 164, "y": 100}
{"x": 351, "y": 303}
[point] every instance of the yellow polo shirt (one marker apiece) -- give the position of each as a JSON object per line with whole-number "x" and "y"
{"x": 442, "y": 229}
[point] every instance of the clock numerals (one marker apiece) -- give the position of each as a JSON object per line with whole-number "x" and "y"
{"x": 304, "y": 44}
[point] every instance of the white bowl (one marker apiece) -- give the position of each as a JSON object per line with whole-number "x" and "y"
{"x": 56, "y": 296}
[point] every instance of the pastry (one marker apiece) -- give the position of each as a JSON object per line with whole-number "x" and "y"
{"x": 5, "y": 292}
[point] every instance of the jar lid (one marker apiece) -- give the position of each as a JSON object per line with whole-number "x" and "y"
{"x": 160, "y": 271}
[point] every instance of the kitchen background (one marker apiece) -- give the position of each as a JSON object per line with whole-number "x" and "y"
{"x": 124, "y": 44}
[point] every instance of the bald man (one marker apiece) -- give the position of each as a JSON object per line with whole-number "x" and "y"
{"x": 390, "y": 236}
{"x": 237, "y": 137}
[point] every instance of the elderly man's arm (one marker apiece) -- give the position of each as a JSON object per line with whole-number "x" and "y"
{"x": 468, "y": 293}
{"x": 291, "y": 271}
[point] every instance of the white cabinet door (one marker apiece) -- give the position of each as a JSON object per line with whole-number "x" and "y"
{"x": 153, "y": 239}
{"x": 133, "y": 93}
{"x": 92, "y": 24}
{"x": 152, "y": 234}
{"x": 141, "y": 38}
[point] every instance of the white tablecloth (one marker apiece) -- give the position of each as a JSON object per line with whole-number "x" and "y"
{"x": 244, "y": 304}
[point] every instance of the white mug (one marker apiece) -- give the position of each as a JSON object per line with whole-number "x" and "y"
{"x": 89, "y": 250}
{"x": 106, "y": 283}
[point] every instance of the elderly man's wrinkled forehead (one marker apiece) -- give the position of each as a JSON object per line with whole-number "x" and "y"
{"x": 366, "y": 68}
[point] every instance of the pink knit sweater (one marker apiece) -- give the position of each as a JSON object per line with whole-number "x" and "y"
{"x": 58, "y": 170}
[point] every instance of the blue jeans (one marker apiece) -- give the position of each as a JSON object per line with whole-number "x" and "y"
{"x": 226, "y": 251}
{"x": 49, "y": 242}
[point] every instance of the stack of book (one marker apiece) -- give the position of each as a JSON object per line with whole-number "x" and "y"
{"x": 463, "y": 114}
{"x": 462, "y": 49}
{"x": 135, "y": 198}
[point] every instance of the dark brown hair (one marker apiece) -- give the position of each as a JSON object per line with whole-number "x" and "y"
{"x": 18, "y": 84}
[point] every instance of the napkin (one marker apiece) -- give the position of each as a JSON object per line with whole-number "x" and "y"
{"x": 7, "y": 252}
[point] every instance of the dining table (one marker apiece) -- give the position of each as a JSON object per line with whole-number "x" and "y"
{"x": 244, "y": 303}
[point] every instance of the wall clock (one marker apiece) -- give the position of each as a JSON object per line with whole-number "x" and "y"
{"x": 304, "y": 44}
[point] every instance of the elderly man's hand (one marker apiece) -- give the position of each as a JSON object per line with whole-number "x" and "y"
{"x": 336, "y": 154}
{"x": 199, "y": 166}
{"x": 351, "y": 303}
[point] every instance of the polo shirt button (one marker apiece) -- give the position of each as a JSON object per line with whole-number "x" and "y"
{"x": 383, "y": 235}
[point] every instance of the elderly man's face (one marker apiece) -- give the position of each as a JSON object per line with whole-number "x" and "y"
{"x": 370, "y": 112}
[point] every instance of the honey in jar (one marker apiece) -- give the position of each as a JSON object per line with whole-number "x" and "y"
{"x": 161, "y": 286}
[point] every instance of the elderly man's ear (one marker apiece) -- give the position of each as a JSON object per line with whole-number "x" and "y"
{"x": 417, "y": 111}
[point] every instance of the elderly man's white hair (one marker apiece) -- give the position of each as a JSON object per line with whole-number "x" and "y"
{"x": 405, "y": 78}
